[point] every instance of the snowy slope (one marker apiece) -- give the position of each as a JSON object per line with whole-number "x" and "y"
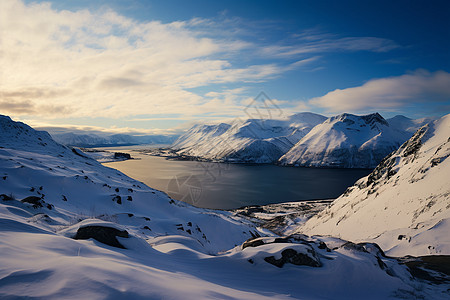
{"x": 403, "y": 123}
{"x": 148, "y": 246}
{"x": 404, "y": 204}
{"x": 252, "y": 140}
{"x": 346, "y": 141}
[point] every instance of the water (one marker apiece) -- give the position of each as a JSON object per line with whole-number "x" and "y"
{"x": 226, "y": 186}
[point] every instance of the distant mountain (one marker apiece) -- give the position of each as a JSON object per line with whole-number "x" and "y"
{"x": 346, "y": 141}
{"x": 403, "y": 123}
{"x": 303, "y": 139}
{"x": 404, "y": 204}
{"x": 94, "y": 140}
{"x": 252, "y": 140}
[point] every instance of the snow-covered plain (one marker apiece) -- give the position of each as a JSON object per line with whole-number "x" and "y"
{"x": 52, "y": 197}
{"x": 404, "y": 204}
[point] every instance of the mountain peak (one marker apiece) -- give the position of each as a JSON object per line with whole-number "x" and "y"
{"x": 374, "y": 118}
{"x": 393, "y": 206}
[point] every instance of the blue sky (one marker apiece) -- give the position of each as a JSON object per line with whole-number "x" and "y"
{"x": 158, "y": 66}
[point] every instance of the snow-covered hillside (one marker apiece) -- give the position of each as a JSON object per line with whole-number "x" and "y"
{"x": 403, "y": 123}
{"x": 252, "y": 140}
{"x": 71, "y": 228}
{"x": 346, "y": 141}
{"x": 404, "y": 204}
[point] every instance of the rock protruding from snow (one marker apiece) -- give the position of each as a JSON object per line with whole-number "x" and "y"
{"x": 346, "y": 141}
{"x": 252, "y": 140}
{"x": 404, "y": 204}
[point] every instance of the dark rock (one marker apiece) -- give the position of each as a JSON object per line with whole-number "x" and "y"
{"x": 146, "y": 227}
{"x": 129, "y": 198}
{"x": 253, "y": 243}
{"x": 105, "y": 235}
{"x": 64, "y": 198}
{"x": 117, "y": 199}
{"x": 120, "y": 155}
{"x": 6, "y": 197}
{"x": 189, "y": 231}
{"x": 355, "y": 247}
{"x": 322, "y": 245}
{"x": 36, "y": 201}
{"x": 295, "y": 258}
{"x": 130, "y": 215}
{"x": 117, "y": 190}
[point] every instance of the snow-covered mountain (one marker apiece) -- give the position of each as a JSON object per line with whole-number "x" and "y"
{"x": 95, "y": 140}
{"x": 346, "y": 141}
{"x": 403, "y": 123}
{"x": 71, "y": 228}
{"x": 252, "y": 140}
{"x": 404, "y": 204}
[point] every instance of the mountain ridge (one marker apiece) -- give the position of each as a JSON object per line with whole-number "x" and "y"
{"x": 393, "y": 205}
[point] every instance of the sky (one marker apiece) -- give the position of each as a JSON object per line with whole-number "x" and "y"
{"x": 157, "y": 67}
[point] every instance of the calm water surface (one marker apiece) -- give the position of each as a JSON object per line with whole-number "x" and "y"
{"x": 225, "y": 186}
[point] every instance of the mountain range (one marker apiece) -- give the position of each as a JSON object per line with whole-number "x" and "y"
{"x": 304, "y": 139}
{"x": 95, "y": 140}
{"x": 250, "y": 141}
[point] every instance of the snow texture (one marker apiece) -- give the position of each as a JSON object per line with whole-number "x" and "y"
{"x": 404, "y": 204}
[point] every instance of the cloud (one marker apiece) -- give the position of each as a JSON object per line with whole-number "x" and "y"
{"x": 315, "y": 42}
{"x": 389, "y": 93}
{"x": 99, "y": 63}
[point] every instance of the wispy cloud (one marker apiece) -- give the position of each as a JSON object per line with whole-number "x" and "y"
{"x": 315, "y": 41}
{"x": 389, "y": 93}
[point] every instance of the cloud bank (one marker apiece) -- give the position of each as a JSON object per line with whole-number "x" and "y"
{"x": 85, "y": 63}
{"x": 389, "y": 93}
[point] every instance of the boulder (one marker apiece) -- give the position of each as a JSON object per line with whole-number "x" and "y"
{"x": 105, "y": 235}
